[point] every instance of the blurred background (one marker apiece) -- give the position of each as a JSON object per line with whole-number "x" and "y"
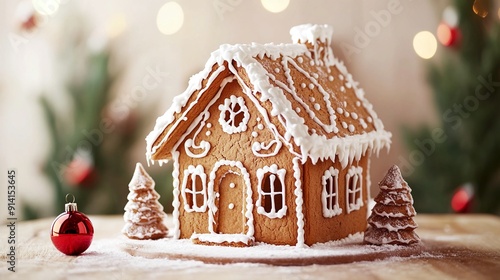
{"x": 82, "y": 83}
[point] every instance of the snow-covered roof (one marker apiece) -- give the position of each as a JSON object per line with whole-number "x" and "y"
{"x": 299, "y": 81}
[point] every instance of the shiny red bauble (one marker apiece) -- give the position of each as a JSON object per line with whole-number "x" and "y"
{"x": 463, "y": 199}
{"x": 72, "y": 231}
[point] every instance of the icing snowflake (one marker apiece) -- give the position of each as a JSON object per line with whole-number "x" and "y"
{"x": 234, "y": 115}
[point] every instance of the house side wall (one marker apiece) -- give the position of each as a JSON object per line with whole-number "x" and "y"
{"x": 322, "y": 229}
{"x": 237, "y": 147}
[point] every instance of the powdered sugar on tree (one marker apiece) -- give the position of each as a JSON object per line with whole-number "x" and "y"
{"x": 143, "y": 213}
{"x": 391, "y": 221}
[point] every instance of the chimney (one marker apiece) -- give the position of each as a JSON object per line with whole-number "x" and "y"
{"x": 317, "y": 39}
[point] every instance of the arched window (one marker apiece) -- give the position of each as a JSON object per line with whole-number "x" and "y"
{"x": 329, "y": 194}
{"x": 194, "y": 190}
{"x": 354, "y": 186}
{"x": 271, "y": 200}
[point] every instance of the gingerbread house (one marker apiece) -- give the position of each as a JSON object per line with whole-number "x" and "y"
{"x": 270, "y": 143}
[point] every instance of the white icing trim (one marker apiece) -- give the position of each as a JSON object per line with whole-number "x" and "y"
{"x": 261, "y": 176}
{"x": 290, "y": 88}
{"x": 264, "y": 113}
{"x": 201, "y": 119}
{"x": 195, "y": 84}
{"x": 299, "y": 202}
{"x": 330, "y": 193}
{"x": 229, "y": 106}
{"x": 245, "y": 56}
{"x": 204, "y": 145}
{"x": 221, "y": 238}
{"x": 311, "y": 33}
{"x": 368, "y": 187}
{"x": 176, "y": 192}
{"x": 261, "y": 146}
{"x": 194, "y": 172}
{"x": 212, "y": 208}
{"x": 347, "y": 148}
{"x": 354, "y": 173}
{"x": 389, "y": 227}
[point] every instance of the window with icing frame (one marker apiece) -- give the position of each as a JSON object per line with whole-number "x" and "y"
{"x": 271, "y": 201}
{"x": 354, "y": 187}
{"x": 194, "y": 189}
{"x": 234, "y": 115}
{"x": 329, "y": 194}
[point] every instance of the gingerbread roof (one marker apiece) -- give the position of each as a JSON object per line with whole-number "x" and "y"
{"x": 306, "y": 96}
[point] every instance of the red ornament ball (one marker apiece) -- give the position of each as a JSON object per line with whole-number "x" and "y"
{"x": 462, "y": 199}
{"x": 448, "y": 35}
{"x": 72, "y": 231}
{"x": 80, "y": 171}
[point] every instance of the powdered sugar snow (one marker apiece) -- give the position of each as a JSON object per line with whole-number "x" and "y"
{"x": 180, "y": 254}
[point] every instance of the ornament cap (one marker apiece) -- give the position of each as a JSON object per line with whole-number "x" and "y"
{"x": 70, "y": 207}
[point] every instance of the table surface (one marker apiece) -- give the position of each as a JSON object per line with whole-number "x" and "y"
{"x": 471, "y": 246}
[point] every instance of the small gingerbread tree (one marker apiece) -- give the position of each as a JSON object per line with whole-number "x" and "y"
{"x": 143, "y": 213}
{"x": 391, "y": 220}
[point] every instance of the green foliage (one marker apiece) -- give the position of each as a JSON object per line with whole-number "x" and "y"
{"x": 89, "y": 127}
{"x": 466, "y": 89}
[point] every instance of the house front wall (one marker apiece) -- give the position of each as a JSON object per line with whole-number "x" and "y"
{"x": 234, "y": 176}
{"x": 331, "y": 193}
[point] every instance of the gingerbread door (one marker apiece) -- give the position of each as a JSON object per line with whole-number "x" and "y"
{"x": 230, "y": 191}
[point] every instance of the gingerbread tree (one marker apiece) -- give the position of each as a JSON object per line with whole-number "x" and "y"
{"x": 143, "y": 213}
{"x": 391, "y": 220}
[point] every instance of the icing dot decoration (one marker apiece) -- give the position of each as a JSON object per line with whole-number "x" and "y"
{"x": 255, "y": 134}
{"x": 344, "y": 124}
{"x": 317, "y": 107}
{"x": 311, "y": 86}
{"x": 312, "y": 63}
{"x": 340, "y": 110}
{"x": 354, "y": 116}
{"x": 358, "y": 103}
{"x": 300, "y": 59}
{"x": 330, "y": 78}
{"x": 312, "y": 99}
{"x": 303, "y": 85}
{"x": 351, "y": 128}
{"x": 232, "y": 185}
{"x": 260, "y": 126}
{"x": 208, "y": 133}
{"x": 363, "y": 123}
{"x": 231, "y": 206}
{"x": 209, "y": 125}
{"x": 277, "y": 70}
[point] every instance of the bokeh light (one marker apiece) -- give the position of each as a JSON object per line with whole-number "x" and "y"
{"x": 46, "y": 7}
{"x": 116, "y": 25}
{"x": 275, "y": 6}
{"x": 170, "y": 18}
{"x": 444, "y": 34}
{"x": 450, "y": 16}
{"x": 425, "y": 44}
